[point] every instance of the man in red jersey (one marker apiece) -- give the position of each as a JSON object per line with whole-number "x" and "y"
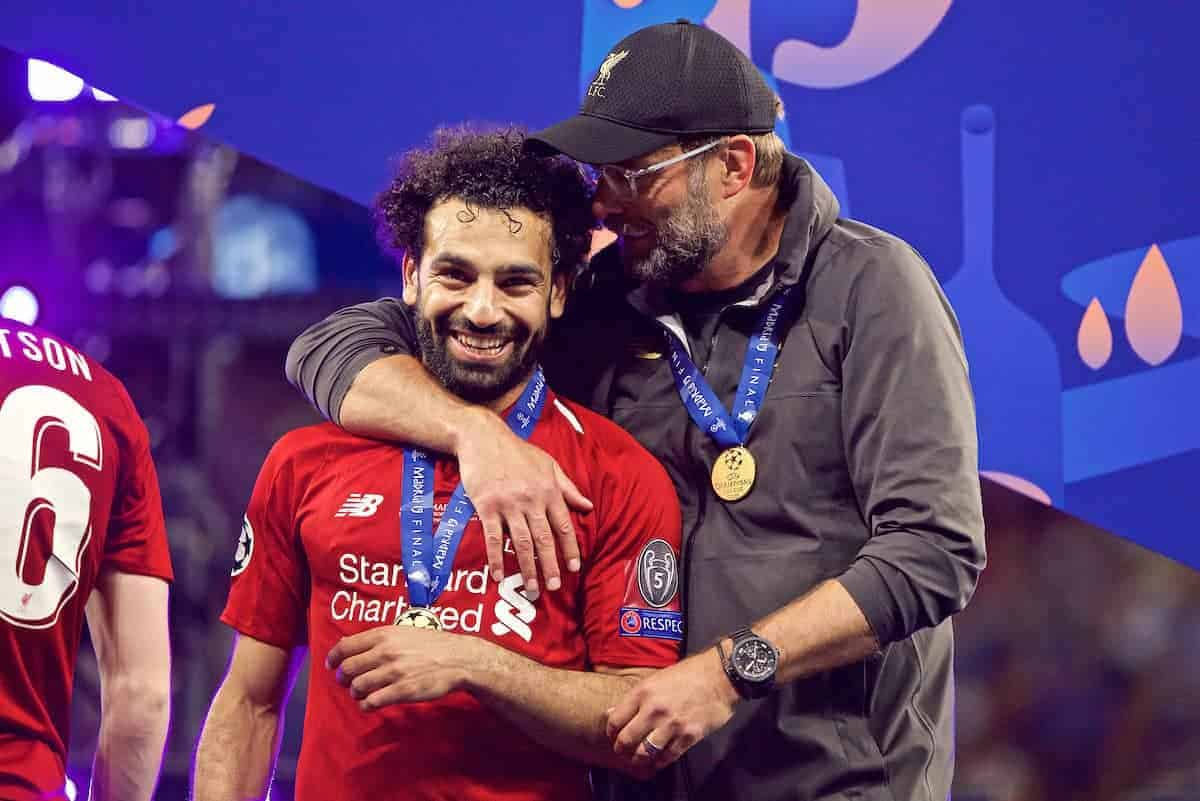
{"x": 81, "y": 533}
{"x": 483, "y": 689}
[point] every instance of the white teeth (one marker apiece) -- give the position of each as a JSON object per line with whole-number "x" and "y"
{"x": 480, "y": 343}
{"x": 634, "y": 230}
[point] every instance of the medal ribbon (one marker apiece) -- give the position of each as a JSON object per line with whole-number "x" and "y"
{"x": 699, "y": 398}
{"x": 428, "y": 555}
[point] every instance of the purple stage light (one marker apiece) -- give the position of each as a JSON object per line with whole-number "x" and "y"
{"x": 52, "y": 83}
{"x": 131, "y": 133}
{"x": 20, "y": 304}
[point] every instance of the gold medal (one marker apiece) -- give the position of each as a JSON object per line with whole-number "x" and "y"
{"x": 419, "y": 617}
{"x": 733, "y": 474}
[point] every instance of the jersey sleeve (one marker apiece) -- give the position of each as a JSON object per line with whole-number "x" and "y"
{"x": 136, "y": 540}
{"x": 268, "y": 595}
{"x": 632, "y": 612}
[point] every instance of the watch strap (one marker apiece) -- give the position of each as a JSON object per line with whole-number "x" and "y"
{"x": 745, "y": 688}
{"x": 744, "y": 633}
{"x": 727, "y": 666}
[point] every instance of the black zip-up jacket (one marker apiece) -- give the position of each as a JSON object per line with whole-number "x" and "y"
{"x": 867, "y": 473}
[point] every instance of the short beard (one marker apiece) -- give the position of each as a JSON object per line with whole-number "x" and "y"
{"x": 474, "y": 384}
{"x": 687, "y": 240}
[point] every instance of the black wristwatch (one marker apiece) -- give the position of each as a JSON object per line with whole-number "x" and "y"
{"x": 751, "y": 663}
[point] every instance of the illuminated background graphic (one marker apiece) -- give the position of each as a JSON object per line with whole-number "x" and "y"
{"x": 1040, "y": 155}
{"x": 1036, "y": 438}
{"x": 1037, "y": 154}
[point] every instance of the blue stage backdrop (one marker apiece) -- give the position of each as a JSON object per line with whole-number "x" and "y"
{"x": 1041, "y": 155}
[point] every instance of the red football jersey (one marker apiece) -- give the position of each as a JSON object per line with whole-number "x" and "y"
{"x": 78, "y": 494}
{"x": 319, "y": 557}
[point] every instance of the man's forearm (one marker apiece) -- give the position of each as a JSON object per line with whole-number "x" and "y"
{"x": 819, "y": 631}
{"x": 395, "y": 398}
{"x": 563, "y": 710}
{"x": 237, "y": 750}
{"x": 683, "y": 704}
{"x": 133, "y": 729}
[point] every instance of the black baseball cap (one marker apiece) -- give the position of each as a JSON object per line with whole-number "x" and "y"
{"x": 657, "y": 85}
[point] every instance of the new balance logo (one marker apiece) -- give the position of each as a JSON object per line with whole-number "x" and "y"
{"x": 360, "y": 504}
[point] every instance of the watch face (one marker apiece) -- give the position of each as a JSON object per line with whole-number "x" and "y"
{"x": 755, "y": 660}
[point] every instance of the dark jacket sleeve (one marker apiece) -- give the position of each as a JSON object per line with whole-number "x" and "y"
{"x": 324, "y": 360}
{"x": 908, "y": 419}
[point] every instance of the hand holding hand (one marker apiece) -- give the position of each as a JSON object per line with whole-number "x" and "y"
{"x": 668, "y": 712}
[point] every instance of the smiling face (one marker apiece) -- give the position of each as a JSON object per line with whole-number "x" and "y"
{"x": 672, "y": 229}
{"x": 484, "y": 295}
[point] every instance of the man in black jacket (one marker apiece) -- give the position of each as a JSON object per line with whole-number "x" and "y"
{"x": 802, "y": 379}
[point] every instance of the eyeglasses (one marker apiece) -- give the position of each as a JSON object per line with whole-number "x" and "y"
{"x": 623, "y": 183}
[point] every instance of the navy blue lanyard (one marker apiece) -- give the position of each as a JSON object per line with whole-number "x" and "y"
{"x": 429, "y": 555}
{"x": 702, "y": 403}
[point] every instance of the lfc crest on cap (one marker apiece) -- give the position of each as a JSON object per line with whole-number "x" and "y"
{"x": 605, "y": 72}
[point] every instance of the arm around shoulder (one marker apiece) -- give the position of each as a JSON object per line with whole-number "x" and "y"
{"x": 359, "y": 367}
{"x": 326, "y": 357}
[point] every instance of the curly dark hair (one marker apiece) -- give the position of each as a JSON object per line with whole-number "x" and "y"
{"x": 488, "y": 169}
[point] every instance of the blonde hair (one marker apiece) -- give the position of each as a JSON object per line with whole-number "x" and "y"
{"x": 768, "y": 151}
{"x": 768, "y": 159}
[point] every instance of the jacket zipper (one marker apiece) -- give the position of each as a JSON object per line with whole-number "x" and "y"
{"x": 683, "y": 772}
{"x": 691, "y": 431}
{"x": 702, "y": 506}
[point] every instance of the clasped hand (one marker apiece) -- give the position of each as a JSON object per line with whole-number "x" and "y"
{"x": 668, "y": 712}
{"x": 398, "y": 664}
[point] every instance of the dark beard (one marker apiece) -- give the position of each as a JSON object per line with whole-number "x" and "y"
{"x": 473, "y": 383}
{"x": 686, "y": 240}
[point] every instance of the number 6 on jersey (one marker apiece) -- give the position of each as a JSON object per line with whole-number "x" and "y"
{"x": 33, "y": 491}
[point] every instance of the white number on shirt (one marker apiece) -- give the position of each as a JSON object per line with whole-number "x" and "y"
{"x": 27, "y": 488}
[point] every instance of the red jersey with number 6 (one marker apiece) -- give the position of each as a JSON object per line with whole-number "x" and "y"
{"x": 78, "y": 494}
